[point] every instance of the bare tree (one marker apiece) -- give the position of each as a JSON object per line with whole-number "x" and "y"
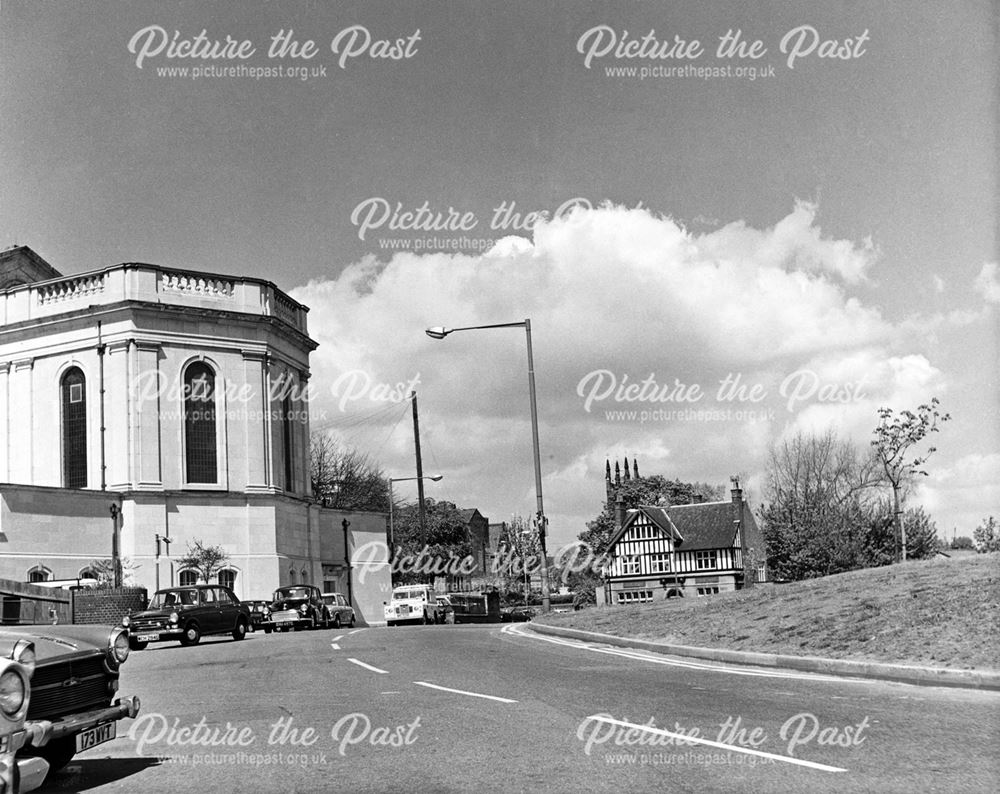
{"x": 345, "y": 478}
{"x": 894, "y": 437}
{"x": 206, "y": 560}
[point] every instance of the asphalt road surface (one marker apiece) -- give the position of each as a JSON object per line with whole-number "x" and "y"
{"x": 497, "y": 709}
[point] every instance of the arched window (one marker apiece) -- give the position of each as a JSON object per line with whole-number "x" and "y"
{"x": 188, "y": 578}
{"x": 291, "y": 576}
{"x": 39, "y": 574}
{"x": 287, "y": 431}
{"x": 304, "y": 576}
{"x": 88, "y": 573}
{"x": 74, "y": 428}
{"x": 227, "y": 578}
{"x": 199, "y": 424}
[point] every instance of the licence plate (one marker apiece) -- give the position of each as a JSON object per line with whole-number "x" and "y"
{"x": 147, "y": 637}
{"x": 95, "y": 736}
{"x": 284, "y": 623}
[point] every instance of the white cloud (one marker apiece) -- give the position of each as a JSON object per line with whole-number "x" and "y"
{"x": 631, "y": 295}
{"x": 987, "y": 283}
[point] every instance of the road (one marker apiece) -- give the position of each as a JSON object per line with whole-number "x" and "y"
{"x": 498, "y": 709}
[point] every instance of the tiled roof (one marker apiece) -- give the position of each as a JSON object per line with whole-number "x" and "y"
{"x": 708, "y": 525}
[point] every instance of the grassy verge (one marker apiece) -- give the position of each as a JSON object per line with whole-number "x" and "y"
{"x": 940, "y": 613}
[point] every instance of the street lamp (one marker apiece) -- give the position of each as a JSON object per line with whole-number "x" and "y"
{"x": 432, "y": 478}
{"x": 440, "y": 332}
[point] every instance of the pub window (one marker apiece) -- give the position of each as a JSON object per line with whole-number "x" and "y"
{"x": 188, "y": 578}
{"x": 705, "y": 560}
{"x": 630, "y": 565}
{"x": 74, "y": 429}
{"x": 200, "y": 438}
{"x": 660, "y": 563}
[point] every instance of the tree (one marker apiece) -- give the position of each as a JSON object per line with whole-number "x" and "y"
{"x": 206, "y": 560}
{"x": 921, "y": 534}
{"x": 105, "y": 570}
{"x": 962, "y": 542}
{"x": 518, "y": 555}
{"x": 438, "y": 551}
{"x": 344, "y": 478}
{"x": 820, "y": 513}
{"x": 894, "y": 437}
{"x": 987, "y": 536}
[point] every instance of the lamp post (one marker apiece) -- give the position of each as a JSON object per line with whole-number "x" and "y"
{"x": 441, "y": 333}
{"x": 116, "y": 563}
{"x": 434, "y": 478}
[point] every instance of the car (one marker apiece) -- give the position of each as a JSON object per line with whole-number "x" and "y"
{"x": 445, "y": 610}
{"x": 260, "y": 614}
{"x": 28, "y": 772}
{"x": 517, "y": 614}
{"x": 74, "y": 703}
{"x": 339, "y": 611}
{"x": 187, "y": 614}
{"x": 298, "y": 606}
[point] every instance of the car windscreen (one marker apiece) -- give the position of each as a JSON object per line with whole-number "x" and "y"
{"x": 173, "y": 598}
{"x": 291, "y": 592}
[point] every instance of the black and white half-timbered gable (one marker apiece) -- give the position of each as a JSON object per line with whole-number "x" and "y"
{"x": 684, "y": 550}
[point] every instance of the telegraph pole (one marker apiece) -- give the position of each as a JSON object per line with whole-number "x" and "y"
{"x": 421, "y": 513}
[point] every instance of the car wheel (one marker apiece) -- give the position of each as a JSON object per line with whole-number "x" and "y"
{"x": 135, "y": 645}
{"x": 336, "y": 621}
{"x": 240, "y": 631}
{"x": 191, "y": 635}
{"x": 268, "y": 629}
{"x": 350, "y": 624}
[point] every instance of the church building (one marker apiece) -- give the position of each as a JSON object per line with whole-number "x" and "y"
{"x": 153, "y": 407}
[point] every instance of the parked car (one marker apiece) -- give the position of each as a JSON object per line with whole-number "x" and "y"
{"x": 260, "y": 615}
{"x": 25, "y": 773}
{"x": 517, "y": 614}
{"x": 73, "y": 703}
{"x": 297, "y": 607}
{"x": 339, "y": 611}
{"x": 411, "y": 604}
{"x": 187, "y": 614}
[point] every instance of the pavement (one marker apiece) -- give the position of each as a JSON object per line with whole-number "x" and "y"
{"x": 909, "y": 674}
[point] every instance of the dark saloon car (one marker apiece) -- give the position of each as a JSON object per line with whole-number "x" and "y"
{"x": 73, "y": 703}
{"x": 260, "y": 614}
{"x": 298, "y": 606}
{"x": 517, "y": 614}
{"x": 187, "y": 614}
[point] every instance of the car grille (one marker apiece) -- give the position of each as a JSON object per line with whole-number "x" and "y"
{"x": 69, "y": 686}
{"x": 147, "y": 624}
{"x": 286, "y": 614}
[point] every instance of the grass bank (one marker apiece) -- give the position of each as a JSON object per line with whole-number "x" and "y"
{"x": 941, "y": 613}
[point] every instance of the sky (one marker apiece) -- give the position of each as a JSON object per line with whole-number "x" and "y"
{"x": 727, "y": 222}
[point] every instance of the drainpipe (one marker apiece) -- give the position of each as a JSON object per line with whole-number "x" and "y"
{"x": 100, "y": 383}
{"x": 347, "y": 559}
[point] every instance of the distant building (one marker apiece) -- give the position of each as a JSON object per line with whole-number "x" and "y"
{"x": 175, "y": 400}
{"x": 696, "y": 549}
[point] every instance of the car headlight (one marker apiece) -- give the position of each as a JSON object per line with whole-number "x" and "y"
{"x": 13, "y": 692}
{"x": 118, "y": 647}
{"x": 126, "y": 621}
{"x": 24, "y": 653}
{"x": 303, "y": 608}
{"x": 174, "y": 617}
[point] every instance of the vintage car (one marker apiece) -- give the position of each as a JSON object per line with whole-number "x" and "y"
{"x": 517, "y": 614}
{"x": 339, "y": 611}
{"x": 297, "y": 607}
{"x": 260, "y": 614}
{"x": 28, "y": 772}
{"x": 73, "y": 704}
{"x": 187, "y": 614}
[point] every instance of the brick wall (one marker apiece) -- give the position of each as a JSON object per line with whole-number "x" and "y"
{"x": 106, "y": 605}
